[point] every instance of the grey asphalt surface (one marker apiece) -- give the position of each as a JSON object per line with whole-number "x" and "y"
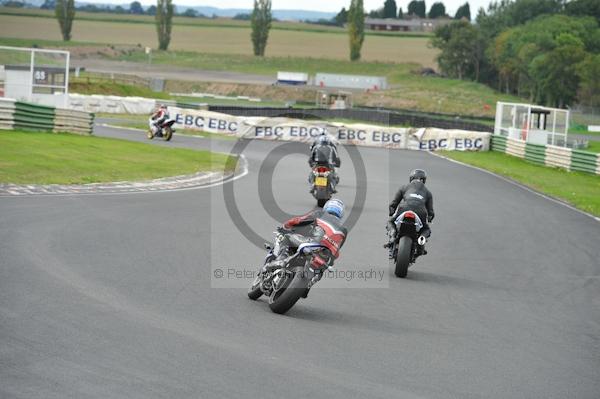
{"x": 110, "y": 296}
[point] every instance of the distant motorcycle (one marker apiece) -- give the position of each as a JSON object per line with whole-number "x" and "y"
{"x": 165, "y": 130}
{"x": 323, "y": 183}
{"x": 407, "y": 242}
{"x": 292, "y": 266}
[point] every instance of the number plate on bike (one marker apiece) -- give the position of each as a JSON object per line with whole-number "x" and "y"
{"x": 321, "y": 181}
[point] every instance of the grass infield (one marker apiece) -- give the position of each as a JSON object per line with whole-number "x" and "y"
{"x": 579, "y": 189}
{"x": 63, "y": 158}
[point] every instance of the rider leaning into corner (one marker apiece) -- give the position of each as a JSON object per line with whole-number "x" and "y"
{"x": 416, "y": 197}
{"x": 323, "y": 152}
{"x": 323, "y": 226}
{"x": 158, "y": 117}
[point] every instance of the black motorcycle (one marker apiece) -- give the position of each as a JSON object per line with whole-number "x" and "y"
{"x": 324, "y": 181}
{"x": 407, "y": 243}
{"x": 293, "y": 265}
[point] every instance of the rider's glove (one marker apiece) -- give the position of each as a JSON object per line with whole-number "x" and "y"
{"x": 430, "y": 217}
{"x": 283, "y": 230}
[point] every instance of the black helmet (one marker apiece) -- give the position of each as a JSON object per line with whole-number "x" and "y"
{"x": 418, "y": 174}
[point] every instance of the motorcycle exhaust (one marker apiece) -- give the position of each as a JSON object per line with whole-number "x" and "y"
{"x": 421, "y": 240}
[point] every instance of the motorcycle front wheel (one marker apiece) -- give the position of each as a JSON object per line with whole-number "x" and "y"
{"x": 150, "y": 135}
{"x": 403, "y": 256}
{"x": 292, "y": 289}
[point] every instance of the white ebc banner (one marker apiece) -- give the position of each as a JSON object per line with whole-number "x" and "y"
{"x": 288, "y": 129}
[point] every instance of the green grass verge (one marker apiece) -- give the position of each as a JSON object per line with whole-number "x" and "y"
{"x": 48, "y": 158}
{"x": 582, "y": 190}
{"x": 593, "y": 146}
{"x": 228, "y": 101}
{"x": 107, "y": 87}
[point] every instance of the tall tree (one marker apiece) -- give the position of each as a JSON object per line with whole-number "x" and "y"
{"x": 463, "y": 11}
{"x": 65, "y": 13}
{"x": 164, "y": 20}
{"x": 356, "y": 28}
{"x": 378, "y": 13}
{"x": 389, "y": 9}
{"x": 136, "y": 8}
{"x": 589, "y": 76}
{"x": 584, "y": 8}
{"x": 400, "y": 13}
{"x": 190, "y": 12}
{"x": 261, "y": 24}
{"x": 417, "y": 8}
{"x": 151, "y": 10}
{"x": 555, "y": 72}
{"x": 437, "y": 10}
{"x": 48, "y": 5}
{"x": 342, "y": 17}
{"x": 462, "y": 50}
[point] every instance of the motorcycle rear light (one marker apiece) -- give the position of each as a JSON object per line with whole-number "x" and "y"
{"x": 322, "y": 169}
{"x": 409, "y": 215}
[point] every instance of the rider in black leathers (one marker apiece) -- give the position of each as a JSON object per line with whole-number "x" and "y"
{"x": 324, "y": 152}
{"x": 416, "y": 197}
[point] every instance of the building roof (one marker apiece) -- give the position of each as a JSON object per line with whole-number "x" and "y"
{"x": 405, "y": 22}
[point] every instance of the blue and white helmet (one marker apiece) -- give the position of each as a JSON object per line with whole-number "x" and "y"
{"x": 334, "y": 207}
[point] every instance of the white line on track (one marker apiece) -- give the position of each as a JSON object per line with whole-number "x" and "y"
{"x": 524, "y": 187}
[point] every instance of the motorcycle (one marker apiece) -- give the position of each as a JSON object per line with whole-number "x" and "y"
{"x": 292, "y": 266}
{"x": 407, "y": 243}
{"x": 165, "y": 130}
{"x": 323, "y": 183}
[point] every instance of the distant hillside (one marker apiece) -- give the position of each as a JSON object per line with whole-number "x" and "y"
{"x": 285, "y": 15}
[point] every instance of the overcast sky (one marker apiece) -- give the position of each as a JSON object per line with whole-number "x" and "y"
{"x": 315, "y": 5}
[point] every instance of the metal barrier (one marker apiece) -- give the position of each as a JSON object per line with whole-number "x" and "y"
{"x": 548, "y": 155}
{"x": 382, "y": 117}
{"x": 26, "y": 116}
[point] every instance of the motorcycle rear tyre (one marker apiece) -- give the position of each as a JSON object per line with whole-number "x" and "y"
{"x": 403, "y": 256}
{"x": 294, "y": 290}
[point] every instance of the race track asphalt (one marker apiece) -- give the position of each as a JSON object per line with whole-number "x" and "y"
{"x": 114, "y": 296}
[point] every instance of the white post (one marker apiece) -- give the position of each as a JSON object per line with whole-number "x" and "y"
{"x": 567, "y": 126}
{"x": 66, "y": 94}
{"x": 498, "y": 122}
{"x": 554, "y": 128}
{"x": 528, "y": 123}
{"x": 31, "y": 72}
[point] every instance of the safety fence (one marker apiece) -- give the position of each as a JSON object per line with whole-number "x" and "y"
{"x": 97, "y": 103}
{"x": 21, "y": 115}
{"x": 548, "y": 155}
{"x": 379, "y": 116}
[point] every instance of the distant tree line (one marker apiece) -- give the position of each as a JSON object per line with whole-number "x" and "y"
{"x": 418, "y": 9}
{"x": 545, "y": 50}
{"x": 135, "y": 8}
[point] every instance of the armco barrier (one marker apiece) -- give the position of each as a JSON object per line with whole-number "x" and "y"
{"x": 548, "y": 155}
{"x": 383, "y": 117}
{"x": 20, "y": 115}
